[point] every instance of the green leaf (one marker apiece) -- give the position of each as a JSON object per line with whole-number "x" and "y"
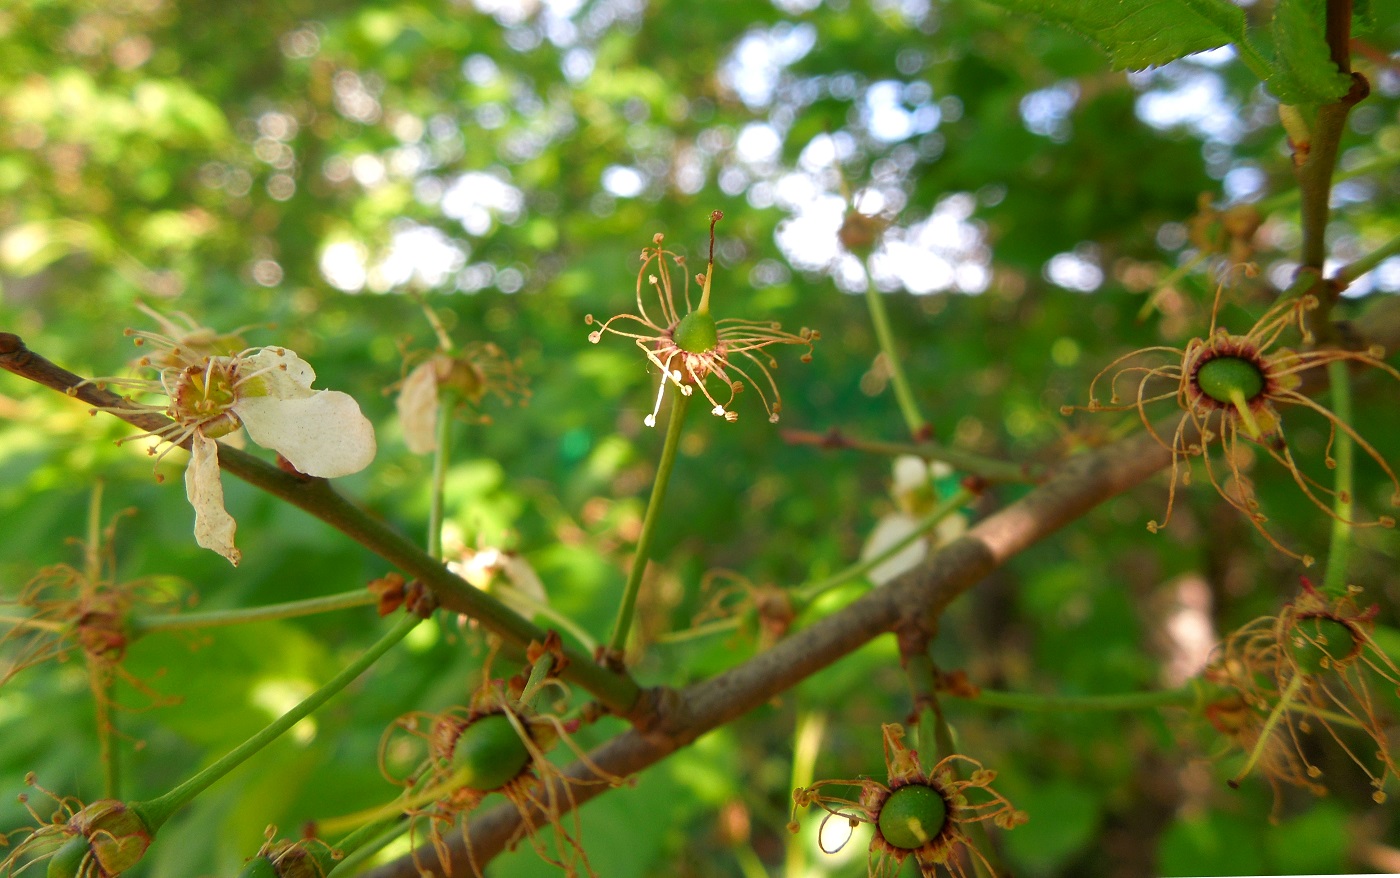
{"x": 1303, "y": 72}
{"x": 1143, "y": 33}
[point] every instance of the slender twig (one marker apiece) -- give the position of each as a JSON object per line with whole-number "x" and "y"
{"x": 1352, "y": 270}
{"x": 908, "y": 406}
{"x": 1334, "y": 580}
{"x": 140, "y": 626}
{"x": 158, "y": 810}
{"x": 618, "y": 643}
{"x": 988, "y": 468}
{"x": 615, "y": 691}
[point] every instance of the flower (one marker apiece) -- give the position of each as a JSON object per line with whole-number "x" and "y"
{"x": 1315, "y": 662}
{"x": 915, "y": 497}
{"x": 698, "y": 343}
{"x": 496, "y": 744}
{"x": 470, "y": 372}
{"x": 266, "y": 390}
{"x": 919, "y": 813}
{"x": 1228, "y": 386}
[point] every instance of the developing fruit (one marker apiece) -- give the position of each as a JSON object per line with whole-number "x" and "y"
{"x": 490, "y": 753}
{"x": 913, "y": 815}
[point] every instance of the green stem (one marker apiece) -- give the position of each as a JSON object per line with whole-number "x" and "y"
{"x": 446, "y": 405}
{"x": 810, "y": 591}
{"x": 143, "y": 625}
{"x": 879, "y": 319}
{"x": 99, "y": 676}
{"x": 539, "y": 675}
{"x": 362, "y": 844}
{"x": 158, "y": 810}
{"x": 1352, "y": 270}
{"x": 618, "y": 643}
{"x": 1194, "y": 692}
{"x": 807, "y": 735}
{"x": 1382, "y": 162}
{"x": 988, "y": 468}
{"x": 1285, "y": 701}
{"x": 1334, "y": 580}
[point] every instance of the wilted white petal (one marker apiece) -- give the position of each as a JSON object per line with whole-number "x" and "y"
{"x": 281, "y": 372}
{"x": 418, "y": 409}
{"x": 890, "y": 530}
{"x": 524, "y": 579}
{"x": 323, "y": 435}
{"x": 213, "y": 526}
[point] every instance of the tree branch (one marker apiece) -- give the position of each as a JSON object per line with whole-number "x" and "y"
{"x": 920, "y": 596}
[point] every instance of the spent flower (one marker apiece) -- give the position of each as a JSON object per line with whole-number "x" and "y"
{"x": 495, "y": 744}
{"x": 101, "y": 840}
{"x": 689, "y": 348}
{"x": 1230, "y": 387}
{"x": 266, "y": 390}
{"x": 919, "y": 813}
{"x": 468, "y": 373}
{"x": 1315, "y": 663}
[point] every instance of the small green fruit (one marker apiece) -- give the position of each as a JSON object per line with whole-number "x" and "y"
{"x": 1223, "y": 377}
{"x": 913, "y": 815}
{"x": 259, "y": 867}
{"x": 68, "y": 860}
{"x": 491, "y": 753}
{"x": 697, "y": 333}
{"x": 1319, "y": 642}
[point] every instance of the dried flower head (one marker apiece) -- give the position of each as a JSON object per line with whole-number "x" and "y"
{"x": 1313, "y": 664}
{"x": 767, "y": 610}
{"x": 469, "y": 373}
{"x": 496, "y": 744}
{"x": 95, "y": 841}
{"x": 1230, "y": 387}
{"x": 300, "y": 858}
{"x": 266, "y": 390}
{"x": 690, "y": 348}
{"x": 923, "y": 813}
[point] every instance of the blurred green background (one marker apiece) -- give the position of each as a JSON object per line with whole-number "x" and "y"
{"x": 310, "y": 164}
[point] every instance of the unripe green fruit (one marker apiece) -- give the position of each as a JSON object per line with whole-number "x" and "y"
{"x": 67, "y": 861}
{"x": 1223, "y": 377}
{"x": 913, "y": 815}
{"x": 697, "y": 333}
{"x": 490, "y": 752}
{"x": 259, "y": 867}
{"x": 1320, "y": 641}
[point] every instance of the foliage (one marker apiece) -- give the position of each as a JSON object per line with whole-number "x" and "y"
{"x": 317, "y": 176}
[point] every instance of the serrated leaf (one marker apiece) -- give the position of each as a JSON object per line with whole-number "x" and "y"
{"x": 1303, "y": 72}
{"x": 1142, "y": 33}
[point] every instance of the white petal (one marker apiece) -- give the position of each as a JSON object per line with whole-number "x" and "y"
{"x": 323, "y": 435}
{"x": 213, "y": 526}
{"x": 418, "y": 409}
{"x": 280, "y": 373}
{"x": 890, "y": 530}
{"x": 910, "y": 474}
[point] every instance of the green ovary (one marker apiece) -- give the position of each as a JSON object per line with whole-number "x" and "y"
{"x": 489, "y": 753}
{"x": 697, "y": 333}
{"x": 1320, "y": 642}
{"x": 1226, "y": 379}
{"x": 912, "y": 816}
